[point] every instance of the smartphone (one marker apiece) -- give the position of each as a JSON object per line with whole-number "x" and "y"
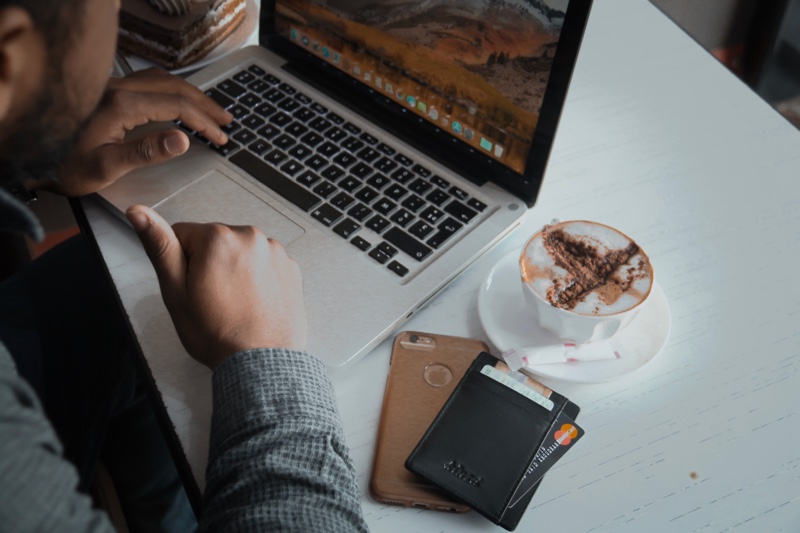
{"x": 424, "y": 370}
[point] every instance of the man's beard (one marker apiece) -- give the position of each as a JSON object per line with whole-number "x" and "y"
{"x": 42, "y": 138}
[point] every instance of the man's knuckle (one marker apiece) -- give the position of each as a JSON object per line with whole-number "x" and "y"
{"x": 146, "y": 150}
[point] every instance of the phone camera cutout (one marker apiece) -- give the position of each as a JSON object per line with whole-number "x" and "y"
{"x": 437, "y": 375}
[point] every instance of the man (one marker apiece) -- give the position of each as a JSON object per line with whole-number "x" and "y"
{"x": 277, "y": 457}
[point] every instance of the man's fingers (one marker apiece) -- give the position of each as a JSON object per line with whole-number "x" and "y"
{"x": 153, "y": 148}
{"x": 162, "y": 247}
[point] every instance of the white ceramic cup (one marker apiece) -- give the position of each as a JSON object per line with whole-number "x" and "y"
{"x": 583, "y": 323}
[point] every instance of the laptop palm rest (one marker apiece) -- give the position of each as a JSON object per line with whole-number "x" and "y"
{"x": 232, "y": 204}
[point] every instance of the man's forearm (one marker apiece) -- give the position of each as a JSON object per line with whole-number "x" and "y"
{"x": 277, "y": 458}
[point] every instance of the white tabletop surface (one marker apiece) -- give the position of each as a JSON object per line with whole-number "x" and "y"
{"x": 661, "y": 141}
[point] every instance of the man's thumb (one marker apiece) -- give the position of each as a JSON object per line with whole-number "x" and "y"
{"x": 156, "y": 147}
{"x": 160, "y": 244}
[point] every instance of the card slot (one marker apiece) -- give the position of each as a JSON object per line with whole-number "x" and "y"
{"x": 515, "y": 396}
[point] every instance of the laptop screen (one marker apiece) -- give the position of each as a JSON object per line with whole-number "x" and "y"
{"x": 475, "y": 70}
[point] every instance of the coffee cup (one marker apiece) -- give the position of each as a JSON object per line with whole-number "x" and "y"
{"x": 584, "y": 281}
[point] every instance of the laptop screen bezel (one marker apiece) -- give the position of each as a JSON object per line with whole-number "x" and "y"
{"x": 428, "y": 137}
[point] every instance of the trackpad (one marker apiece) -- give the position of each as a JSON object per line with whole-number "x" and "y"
{"x": 217, "y": 198}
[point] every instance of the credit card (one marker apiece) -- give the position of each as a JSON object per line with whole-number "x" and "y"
{"x": 562, "y": 436}
{"x": 522, "y": 378}
{"x": 505, "y": 379}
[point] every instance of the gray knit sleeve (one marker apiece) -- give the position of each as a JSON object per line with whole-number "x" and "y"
{"x": 277, "y": 460}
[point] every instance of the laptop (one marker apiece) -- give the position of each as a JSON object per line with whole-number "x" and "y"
{"x": 386, "y": 145}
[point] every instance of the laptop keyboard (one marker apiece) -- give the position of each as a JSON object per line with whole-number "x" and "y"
{"x": 345, "y": 178}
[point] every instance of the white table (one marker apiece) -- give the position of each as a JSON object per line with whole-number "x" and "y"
{"x": 661, "y": 141}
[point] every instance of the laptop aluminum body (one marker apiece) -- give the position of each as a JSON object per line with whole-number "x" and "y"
{"x": 353, "y": 301}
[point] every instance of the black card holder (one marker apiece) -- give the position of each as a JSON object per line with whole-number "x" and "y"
{"x": 481, "y": 443}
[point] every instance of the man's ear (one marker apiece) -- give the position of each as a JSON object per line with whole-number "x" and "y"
{"x": 23, "y": 56}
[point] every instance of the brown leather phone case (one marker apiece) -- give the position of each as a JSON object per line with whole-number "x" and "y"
{"x": 425, "y": 369}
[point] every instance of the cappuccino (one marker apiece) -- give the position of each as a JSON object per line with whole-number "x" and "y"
{"x": 586, "y": 268}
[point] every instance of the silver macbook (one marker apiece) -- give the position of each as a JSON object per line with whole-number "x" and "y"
{"x": 387, "y": 145}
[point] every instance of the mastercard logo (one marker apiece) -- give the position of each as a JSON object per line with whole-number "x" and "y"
{"x": 565, "y": 435}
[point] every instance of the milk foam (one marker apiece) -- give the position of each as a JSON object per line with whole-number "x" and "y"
{"x": 626, "y": 287}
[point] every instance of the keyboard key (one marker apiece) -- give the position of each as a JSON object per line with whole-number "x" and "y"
{"x": 461, "y": 212}
{"x": 458, "y": 193}
{"x": 295, "y": 129}
{"x": 361, "y": 170}
{"x": 273, "y": 179}
{"x": 430, "y": 214}
{"x": 377, "y": 224}
{"x": 402, "y": 218}
{"x": 402, "y": 175}
{"x": 440, "y": 182}
{"x": 328, "y": 149}
{"x": 264, "y": 109}
{"x": 258, "y": 86}
{"x": 316, "y": 162}
{"x": 284, "y": 141}
{"x": 437, "y": 197}
{"x": 259, "y": 146}
{"x": 446, "y": 230}
{"x": 476, "y": 204}
{"x": 420, "y": 229}
{"x": 288, "y": 89}
{"x": 335, "y": 134}
{"x": 253, "y": 122}
{"x": 359, "y": 212}
{"x": 369, "y": 139}
{"x": 422, "y": 171}
{"x": 419, "y": 186}
{"x": 319, "y": 108}
{"x": 413, "y": 203}
{"x": 379, "y": 256}
{"x": 378, "y": 181}
{"x": 386, "y": 149}
{"x": 326, "y": 214}
{"x": 385, "y": 165}
{"x": 244, "y": 136}
{"x": 353, "y": 144}
{"x": 369, "y": 154}
{"x": 226, "y": 149}
{"x": 289, "y": 105}
{"x": 250, "y": 100}
{"x": 403, "y": 160}
{"x": 274, "y": 80}
{"x": 349, "y": 184}
{"x": 292, "y": 167}
{"x": 342, "y": 200}
{"x": 280, "y": 119}
{"x": 325, "y": 189}
{"x": 319, "y": 124}
{"x": 397, "y": 268}
{"x": 408, "y": 244}
{"x": 367, "y": 194}
{"x": 274, "y": 95}
{"x": 387, "y": 248}
{"x": 384, "y": 206}
{"x": 311, "y": 139}
{"x": 300, "y": 151}
{"x": 346, "y": 228}
{"x": 352, "y": 128}
{"x": 255, "y": 69}
{"x": 303, "y": 99}
{"x": 344, "y": 159}
{"x": 333, "y": 173}
{"x": 231, "y": 127}
{"x": 395, "y": 192}
{"x": 308, "y": 178}
{"x": 275, "y": 157}
{"x": 269, "y": 131}
{"x": 333, "y": 117}
{"x": 238, "y": 111}
{"x": 361, "y": 243}
{"x": 231, "y": 88}
{"x": 304, "y": 114}
{"x": 450, "y": 225}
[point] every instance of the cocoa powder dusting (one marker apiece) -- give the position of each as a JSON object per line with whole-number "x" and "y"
{"x": 587, "y": 269}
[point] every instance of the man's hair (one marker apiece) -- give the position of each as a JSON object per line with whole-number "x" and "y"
{"x": 57, "y": 20}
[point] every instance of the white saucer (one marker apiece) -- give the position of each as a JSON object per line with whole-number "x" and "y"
{"x": 233, "y": 42}
{"x": 509, "y": 324}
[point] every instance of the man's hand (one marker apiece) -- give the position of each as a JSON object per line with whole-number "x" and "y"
{"x": 102, "y": 155}
{"x": 227, "y": 288}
